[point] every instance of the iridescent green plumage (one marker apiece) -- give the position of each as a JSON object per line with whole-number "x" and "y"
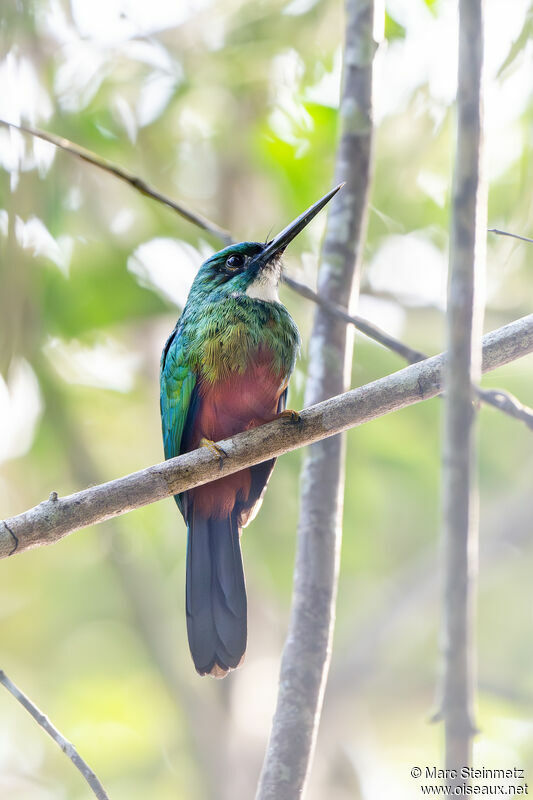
{"x": 220, "y": 330}
{"x": 226, "y": 368}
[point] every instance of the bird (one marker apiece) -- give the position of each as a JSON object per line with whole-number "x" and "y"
{"x": 225, "y": 368}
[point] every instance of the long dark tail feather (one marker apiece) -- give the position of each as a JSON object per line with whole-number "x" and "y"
{"x": 215, "y": 594}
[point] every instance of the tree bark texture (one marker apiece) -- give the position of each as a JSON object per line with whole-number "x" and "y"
{"x": 58, "y": 516}
{"x": 306, "y": 655}
{"x": 464, "y": 323}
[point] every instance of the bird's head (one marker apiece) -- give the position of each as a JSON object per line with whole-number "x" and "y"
{"x": 252, "y": 268}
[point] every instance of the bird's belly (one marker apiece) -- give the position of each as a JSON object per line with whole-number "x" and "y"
{"x": 241, "y": 401}
{"x": 237, "y": 403}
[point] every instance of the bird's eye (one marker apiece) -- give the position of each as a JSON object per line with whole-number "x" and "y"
{"x": 234, "y": 262}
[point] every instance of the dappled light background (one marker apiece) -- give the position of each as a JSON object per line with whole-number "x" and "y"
{"x": 231, "y": 108}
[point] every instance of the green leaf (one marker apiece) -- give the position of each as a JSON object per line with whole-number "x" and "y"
{"x": 393, "y": 29}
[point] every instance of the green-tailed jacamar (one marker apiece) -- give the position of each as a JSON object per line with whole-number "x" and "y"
{"x": 226, "y": 368}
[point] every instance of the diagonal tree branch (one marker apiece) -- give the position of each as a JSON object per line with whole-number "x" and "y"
{"x": 498, "y": 398}
{"x": 143, "y": 594}
{"x": 502, "y": 400}
{"x": 334, "y": 309}
{"x": 364, "y": 326}
{"x": 68, "y": 748}
{"x": 123, "y": 175}
{"x": 56, "y": 517}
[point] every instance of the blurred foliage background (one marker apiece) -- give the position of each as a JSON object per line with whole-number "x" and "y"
{"x": 231, "y": 108}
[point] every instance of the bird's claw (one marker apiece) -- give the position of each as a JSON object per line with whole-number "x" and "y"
{"x": 215, "y": 448}
{"x": 290, "y": 415}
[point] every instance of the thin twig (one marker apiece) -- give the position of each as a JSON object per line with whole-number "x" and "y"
{"x": 143, "y": 594}
{"x": 367, "y": 328}
{"x": 498, "y": 398}
{"x": 53, "y": 519}
{"x": 202, "y": 222}
{"x": 360, "y": 323}
{"x": 506, "y": 402}
{"x": 512, "y": 235}
{"x": 124, "y": 175}
{"x": 66, "y": 746}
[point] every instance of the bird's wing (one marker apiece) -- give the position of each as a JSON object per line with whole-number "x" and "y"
{"x": 178, "y": 384}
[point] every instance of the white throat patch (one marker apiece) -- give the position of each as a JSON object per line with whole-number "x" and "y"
{"x": 265, "y": 286}
{"x": 266, "y": 291}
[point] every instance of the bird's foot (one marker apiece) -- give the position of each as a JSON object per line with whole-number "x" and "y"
{"x": 290, "y": 415}
{"x": 215, "y": 448}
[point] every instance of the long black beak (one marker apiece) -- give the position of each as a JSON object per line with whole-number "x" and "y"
{"x": 280, "y": 242}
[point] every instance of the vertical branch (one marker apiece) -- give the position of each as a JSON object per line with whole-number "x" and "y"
{"x": 464, "y": 320}
{"x": 307, "y": 650}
